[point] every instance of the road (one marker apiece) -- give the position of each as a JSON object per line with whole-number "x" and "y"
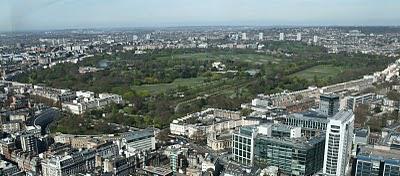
{"x": 43, "y": 119}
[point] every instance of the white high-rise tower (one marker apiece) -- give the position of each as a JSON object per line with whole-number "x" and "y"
{"x": 282, "y": 36}
{"x": 298, "y": 36}
{"x": 315, "y": 39}
{"x": 244, "y": 36}
{"x": 135, "y": 37}
{"x": 147, "y": 36}
{"x": 338, "y": 143}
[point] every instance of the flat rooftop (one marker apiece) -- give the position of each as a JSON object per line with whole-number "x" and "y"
{"x": 157, "y": 170}
{"x": 383, "y": 153}
{"x": 330, "y": 95}
{"x": 310, "y": 115}
{"x": 301, "y": 142}
{"x": 342, "y": 115}
{"x": 361, "y": 132}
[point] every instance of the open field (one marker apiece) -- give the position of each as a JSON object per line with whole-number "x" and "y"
{"x": 320, "y": 71}
{"x": 253, "y": 58}
{"x": 158, "y": 88}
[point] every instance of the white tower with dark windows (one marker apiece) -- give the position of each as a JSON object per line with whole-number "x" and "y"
{"x": 282, "y": 36}
{"x": 244, "y": 36}
{"x": 338, "y": 143}
{"x": 298, "y": 36}
{"x": 261, "y": 36}
{"x": 315, "y": 39}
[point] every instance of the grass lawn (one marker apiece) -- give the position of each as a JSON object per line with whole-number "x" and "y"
{"x": 321, "y": 71}
{"x": 158, "y": 88}
{"x": 253, "y": 58}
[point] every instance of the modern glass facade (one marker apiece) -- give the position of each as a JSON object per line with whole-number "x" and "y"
{"x": 329, "y": 104}
{"x": 174, "y": 161}
{"x": 291, "y": 156}
{"x": 391, "y": 167}
{"x": 368, "y": 166}
{"x": 243, "y": 145}
{"x": 310, "y": 122}
{"x": 353, "y": 101}
{"x": 285, "y": 131}
{"x": 338, "y": 143}
{"x": 333, "y": 150}
{"x": 371, "y": 165}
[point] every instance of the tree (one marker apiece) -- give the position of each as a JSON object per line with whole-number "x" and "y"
{"x": 393, "y": 95}
{"x": 245, "y": 112}
{"x": 361, "y": 112}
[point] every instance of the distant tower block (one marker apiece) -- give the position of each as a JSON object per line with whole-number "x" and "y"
{"x": 282, "y": 36}
{"x": 148, "y": 36}
{"x": 298, "y": 38}
{"x": 134, "y": 37}
{"x": 244, "y": 36}
{"x": 315, "y": 39}
{"x": 261, "y": 36}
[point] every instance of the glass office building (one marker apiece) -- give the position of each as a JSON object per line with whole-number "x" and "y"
{"x": 311, "y": 122}
{"x": 243, "y": 145}
{"x": 391, "y": 167}
{"x": 378, "y": 161}
{"x": 370, "y": 166}
{"x": 329, "y": 104}
{"x": 293, "y": 156}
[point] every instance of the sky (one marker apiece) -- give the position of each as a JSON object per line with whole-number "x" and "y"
{"x": 16, "y": 15}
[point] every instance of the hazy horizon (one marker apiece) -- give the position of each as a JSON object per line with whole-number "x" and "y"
{"x": 22, "y": 15}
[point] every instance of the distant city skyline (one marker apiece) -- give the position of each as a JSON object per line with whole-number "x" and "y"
{"x": 16, "y": 15}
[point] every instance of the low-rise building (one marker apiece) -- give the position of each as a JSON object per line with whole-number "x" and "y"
{"x": 235, "y": 169}
{"x": 26, "y": 162}
{"x": 378, "y": 160}
{"x": 9, "y": 169}
{"x": 78, "y": 141}
{"x": 311, "y": 122}
{"x": 7, "y": 145}
{"x": 138, "y": 141}
{"x": 361, "y": 136}
{"x": 54, "y": 94}
{"x": 157, "y": 171}
{"x": 270, "y": 171}
{"x": 86, "y": 103}
{"x": 12, "y": 126}
{"x": 22, "y": 116}
{"x": 184, "y": 129}
{"x": 108, "y": 149}
{"x": 69, "y": 164}
{"x": 219, "y": 142}
{"x": 121, "y": 166}
{"x": 354, "y": 101}
{"x": 19, "y": 101}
